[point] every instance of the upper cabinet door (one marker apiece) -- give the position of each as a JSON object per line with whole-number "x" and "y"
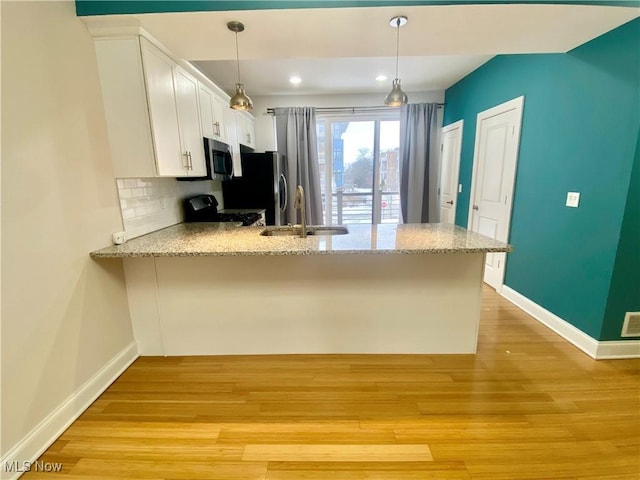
{"x": 246, "y": 130}
{"x": 189, "y": 122}
{"x": 159, "y": 78}
{"x": 212, "y": 114}
{"x": 219, "y": 107}
{"x": 250, "y": 132}
{"x": 232, "y": 118}
{"x": 206, "y": 112}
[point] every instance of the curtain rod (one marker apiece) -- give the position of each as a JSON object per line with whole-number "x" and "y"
{"x": 271, "y": 110}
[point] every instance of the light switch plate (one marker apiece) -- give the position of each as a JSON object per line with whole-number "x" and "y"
{"x": 573, "y": 199}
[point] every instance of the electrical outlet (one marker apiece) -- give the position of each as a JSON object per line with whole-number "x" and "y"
{"x": 119, "y": 238}
{"x": 573, "y": 199}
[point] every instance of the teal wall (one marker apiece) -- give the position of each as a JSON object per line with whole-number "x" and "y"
{"x": 624, "y": 294}
{"x": 112, "y": 7}
{"x": 579, "y": 133}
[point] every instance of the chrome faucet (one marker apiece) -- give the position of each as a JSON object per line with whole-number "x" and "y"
{"x": 298, "y": 203}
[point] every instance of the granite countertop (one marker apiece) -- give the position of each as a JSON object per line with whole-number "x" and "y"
{"x": 216, "y": 239}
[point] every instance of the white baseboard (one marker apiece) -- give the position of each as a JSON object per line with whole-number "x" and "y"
{"x": 618, "y": 349}
{"x": 589, "y": 345}
{"x": 47, "y": 431}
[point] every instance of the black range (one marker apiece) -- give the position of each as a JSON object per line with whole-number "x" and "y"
{"x": 204, "y": 208}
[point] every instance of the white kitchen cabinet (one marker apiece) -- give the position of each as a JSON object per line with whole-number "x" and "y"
{"x": 173, "y": 106}
{"x": 158, "y": 71}
{"x": 212, "y": 109}
{"x": 232, "y": 121}
{"x": 151, "y": 109}
{"x": 220, "y": 105}
{"x": 189, "y": 122}
{"x": 250, "y": 131}
{"x": 205, "y": 97}
{"x": 246, "y": 130}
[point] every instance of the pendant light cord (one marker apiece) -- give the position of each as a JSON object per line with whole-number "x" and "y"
{"x": 238, "y": 58}
{"x": 397, "y": 44}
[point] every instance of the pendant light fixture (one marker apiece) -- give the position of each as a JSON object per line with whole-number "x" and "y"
{"x": 396, "y": 96}
{"x": 240, "y": 101}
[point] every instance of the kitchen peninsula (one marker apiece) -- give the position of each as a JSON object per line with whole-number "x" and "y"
{"x": 214, "y": 289}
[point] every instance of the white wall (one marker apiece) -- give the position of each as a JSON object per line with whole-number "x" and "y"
{"x": 265, "y": 131}
{"x": 64, "y": 316}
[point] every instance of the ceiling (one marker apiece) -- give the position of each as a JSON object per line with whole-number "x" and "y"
{"x": 337, "y": 51}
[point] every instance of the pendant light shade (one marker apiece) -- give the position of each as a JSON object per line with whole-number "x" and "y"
{"x": 396, "y": 96}
{"x": 240, "y": 101}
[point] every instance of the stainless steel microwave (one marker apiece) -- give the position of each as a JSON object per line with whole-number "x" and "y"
{"x": 219, "y": 159}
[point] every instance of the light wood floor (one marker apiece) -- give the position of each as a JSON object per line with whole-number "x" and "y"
{"x": 527, "y": 406}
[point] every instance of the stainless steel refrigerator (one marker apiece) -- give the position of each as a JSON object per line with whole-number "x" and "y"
{"x": 263, "y": 184}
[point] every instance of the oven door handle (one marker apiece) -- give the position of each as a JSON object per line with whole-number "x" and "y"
{"x": 283, "y": 207}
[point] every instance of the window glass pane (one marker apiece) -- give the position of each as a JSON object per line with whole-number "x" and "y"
{"x": 353, "y": 167}
{"x": 389, "y": 181}
{"x": 348, "y": 158}
{"x": 322, "y": 160}
{"x": 357, "y": 146}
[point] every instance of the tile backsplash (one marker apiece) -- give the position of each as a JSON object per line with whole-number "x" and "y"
{"x": 149, "y": 204}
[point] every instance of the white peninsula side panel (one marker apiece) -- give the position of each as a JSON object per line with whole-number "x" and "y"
{"x": 362, "y": 303}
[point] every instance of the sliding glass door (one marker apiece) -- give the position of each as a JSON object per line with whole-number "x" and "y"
{"x": 359, "y": 166}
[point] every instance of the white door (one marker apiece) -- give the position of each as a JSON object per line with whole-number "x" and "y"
{"x": 450, "y": 146}
{"x": 494, "y": 168}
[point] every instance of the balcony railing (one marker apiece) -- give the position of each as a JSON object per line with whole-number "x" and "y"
{"x": 357, "y": 207}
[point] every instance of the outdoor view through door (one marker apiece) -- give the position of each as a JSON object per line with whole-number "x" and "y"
{"x": 359, "y": 168}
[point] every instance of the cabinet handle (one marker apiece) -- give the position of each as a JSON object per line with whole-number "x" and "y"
{"x": 475, "y": 207}
{"x": 248, "y": 138}
{"x": 450, "y": 202}
{"x": 186, "y": 165}
{"x": 189, "y": 165}
{"x": 217, "y": 125}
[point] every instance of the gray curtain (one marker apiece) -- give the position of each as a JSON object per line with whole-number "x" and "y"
{"x": 419, "y": 166}
{"x": 297, "y": 140}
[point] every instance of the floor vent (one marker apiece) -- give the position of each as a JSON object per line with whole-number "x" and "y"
{"x": 631, "y": 327}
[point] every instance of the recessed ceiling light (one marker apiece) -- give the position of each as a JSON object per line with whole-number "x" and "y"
{"x": 295, "y": 80}
{"x": 381, "y": 78}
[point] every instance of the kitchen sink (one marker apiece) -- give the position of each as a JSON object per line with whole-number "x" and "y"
{"x": 337, "y": 230}
{"x": 311, "y": 230}
{"x": 280, "y": 231}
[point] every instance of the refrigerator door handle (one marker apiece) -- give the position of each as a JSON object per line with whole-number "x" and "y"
{"x": 283, "y": 205}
